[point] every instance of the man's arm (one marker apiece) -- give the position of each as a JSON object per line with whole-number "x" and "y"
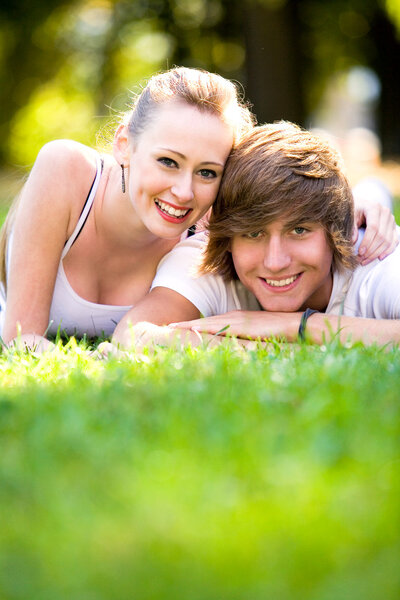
{"x": 160, "y": 307}
{"x": 320, "y": 327}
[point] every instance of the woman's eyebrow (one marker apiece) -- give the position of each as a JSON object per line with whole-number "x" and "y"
{"x": 173, "y": 151}
{"x": 205, "y": 162}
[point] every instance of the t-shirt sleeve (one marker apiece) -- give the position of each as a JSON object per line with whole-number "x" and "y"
{"x": 380, "y": 291}
{"x": 178, "y": 271}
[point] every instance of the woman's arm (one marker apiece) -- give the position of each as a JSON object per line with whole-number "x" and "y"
{"x": 320, "y": 327}
{"x": 50, "y": 201}
{"x": 381, "y": 236}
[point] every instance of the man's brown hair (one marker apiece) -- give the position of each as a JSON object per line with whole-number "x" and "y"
{"x": 280, "y": 171}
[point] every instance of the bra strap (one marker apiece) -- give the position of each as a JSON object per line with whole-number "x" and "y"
{"x": 86, "y": 207}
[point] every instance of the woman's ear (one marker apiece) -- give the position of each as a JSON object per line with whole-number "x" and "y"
{"x": 121, "y": 145}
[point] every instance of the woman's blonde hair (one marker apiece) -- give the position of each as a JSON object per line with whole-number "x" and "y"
{"x": 280, "y": 171}
{"x": 208, "y": 92}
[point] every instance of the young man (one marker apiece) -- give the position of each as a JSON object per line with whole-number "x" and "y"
{"x": 279, "y": 242}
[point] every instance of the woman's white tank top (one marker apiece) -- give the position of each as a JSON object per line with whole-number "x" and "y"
{"x": 70, "y": 312}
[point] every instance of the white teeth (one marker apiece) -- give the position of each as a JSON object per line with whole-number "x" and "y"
{"x": 281, "y": 282}
{"x": 169, "y": 210}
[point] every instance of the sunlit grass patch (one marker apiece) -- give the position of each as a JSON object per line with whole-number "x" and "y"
{"x": 202, "y": 474}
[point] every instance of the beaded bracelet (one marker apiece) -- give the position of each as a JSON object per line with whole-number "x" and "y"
{"x": 303, "y": 322}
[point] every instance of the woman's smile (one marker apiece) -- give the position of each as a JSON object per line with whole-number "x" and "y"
{"x": 170, "y": 212}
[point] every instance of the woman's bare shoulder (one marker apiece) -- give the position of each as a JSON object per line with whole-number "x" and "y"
{"x": 64, "y": 171}
{"x": 66, "y": 158}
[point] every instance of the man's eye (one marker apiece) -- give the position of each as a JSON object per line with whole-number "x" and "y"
{"x": 253, "y": 235}
{"x": 167, "y": 162}
{"x": 208, "y": 173}
{"x": 299, "y": 230}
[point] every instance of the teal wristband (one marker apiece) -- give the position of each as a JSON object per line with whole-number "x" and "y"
{"x": 303, "y": 322}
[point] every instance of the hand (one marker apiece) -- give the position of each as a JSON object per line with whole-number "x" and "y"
{"x": 141, "y": 335}
{"x": 32, "y": 342}
{"x": 109, "y": 350}
{"x": 147, "y": 335}
{"x": 380, "y": 237}
{"x": 247, "y": 325}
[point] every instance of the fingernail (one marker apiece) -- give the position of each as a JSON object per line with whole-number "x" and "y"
{"x": 361, "y": 251}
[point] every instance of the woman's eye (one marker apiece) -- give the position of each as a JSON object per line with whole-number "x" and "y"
{"x": 167, "y": 162}
{"x": 208, "y": 173}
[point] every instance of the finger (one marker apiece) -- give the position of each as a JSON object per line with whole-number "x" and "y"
{"x": 368, "y": 241}
{"x": 380, "y": 226}
{"x": 375, "y": 251}
{"x": 377, "y": 238}
{"x": 381, "y": 242}
{"x": 182, "y": 325}
{"x": 359, "y": 216}
{"x": 389, "y": 251}
{"x": 106, "y": 350}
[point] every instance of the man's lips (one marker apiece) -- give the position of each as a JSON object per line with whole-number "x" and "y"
{"x": 170, "y": 212}
{"x": 283, "y": 284}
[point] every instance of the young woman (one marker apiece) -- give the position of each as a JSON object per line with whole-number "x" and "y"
{"x": 279, "y": 243}
{"x": 82, "y": 264}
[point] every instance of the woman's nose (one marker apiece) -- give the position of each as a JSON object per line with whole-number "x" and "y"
{"x": 183, "y": 188}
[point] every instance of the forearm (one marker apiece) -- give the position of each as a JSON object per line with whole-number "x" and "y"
{"x": 160, "y": 307}
{"x": 322, "y": 328}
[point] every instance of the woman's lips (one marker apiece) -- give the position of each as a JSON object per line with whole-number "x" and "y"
{"x": 171, "y": 213}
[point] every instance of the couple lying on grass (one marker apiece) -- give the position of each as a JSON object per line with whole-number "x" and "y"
{"x": 278, "y": 251}
{"x": 81, "y": 245}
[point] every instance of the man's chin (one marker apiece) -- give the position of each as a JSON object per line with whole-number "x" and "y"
{"x": 280, "y": 307}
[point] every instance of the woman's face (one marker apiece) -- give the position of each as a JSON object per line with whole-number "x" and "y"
{"x": 175, "y": 167}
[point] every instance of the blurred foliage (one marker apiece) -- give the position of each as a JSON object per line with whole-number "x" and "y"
{"x": 66, "y": 65}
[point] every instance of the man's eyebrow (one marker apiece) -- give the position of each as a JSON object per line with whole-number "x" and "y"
{"x": 209, "y": 162}
{"x": 301, "y": 223}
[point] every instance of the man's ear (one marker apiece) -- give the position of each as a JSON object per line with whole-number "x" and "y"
{"x": 121, "y": 145}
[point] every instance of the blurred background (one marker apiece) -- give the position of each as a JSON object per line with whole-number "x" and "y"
{"x": 68, "y": 66}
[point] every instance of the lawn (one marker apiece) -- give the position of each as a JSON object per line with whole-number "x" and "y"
{"x": 208, "y": 474}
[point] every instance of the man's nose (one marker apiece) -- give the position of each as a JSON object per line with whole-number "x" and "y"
{"x": 276, "y": 255}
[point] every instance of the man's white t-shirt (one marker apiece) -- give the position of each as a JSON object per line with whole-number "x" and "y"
{"x": 372, "y": 291}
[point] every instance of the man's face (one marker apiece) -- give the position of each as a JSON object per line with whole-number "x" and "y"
{"x": 287, "y": 268}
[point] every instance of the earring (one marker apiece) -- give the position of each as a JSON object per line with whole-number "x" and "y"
{"x": 123, "y": 179}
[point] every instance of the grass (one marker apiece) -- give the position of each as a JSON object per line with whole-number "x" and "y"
{"x": 206, "y": 474}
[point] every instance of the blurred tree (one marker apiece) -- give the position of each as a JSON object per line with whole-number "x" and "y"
{"x": 63, "y": 62}
{"x": 385, "y": 60}
{"x": 293, "y": 47}
{"x": 275, "y": 61}
{"x": 26, "y": 57}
